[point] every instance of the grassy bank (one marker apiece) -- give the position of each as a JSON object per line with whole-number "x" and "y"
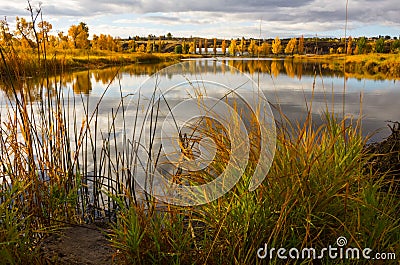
{"x": 372, "y": 66}
{"x": 27, "y": 63}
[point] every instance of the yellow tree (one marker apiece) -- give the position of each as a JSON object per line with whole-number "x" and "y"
{"x": 242, "y": 46}
{"x": 276, "y": 46}
{"x": 183, "y": 47}
{"x": 132, "y": 45}
{"x": 223, "y": 47}
{"x": 264, "y": 49}
{"x": 200, "y": 46}
{"x": 44, "y": 29}
{"x": 349, "y": 46}
{"x": 141, "y": 48}
{"x": 5, "y": 35}
{"x": 300, "y": 47}
{"x": 111, "y": 43}
{"x": 192, "y": 48}
{"x": 253, "y": 48}
{"x": 232, "y": 47}
{"x": 79, "y": 35}
{"x": 53, "y": 41}
{"x": 102, "y": 42}
{"x": 160, "y": 44}
{"x": 24, "y": 29}
{"x": 95, "y": 42}
{"x": 62, "y": 40}
{"x": 205, "y": 46}
{"x": 215, "y": 47}
{"x": 148, "y": 46}
{"x": 290, "y": 46}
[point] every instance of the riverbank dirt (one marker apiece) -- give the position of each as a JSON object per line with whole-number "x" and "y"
{"x": 386, "y": 157}
{"x": 78, "y": 245}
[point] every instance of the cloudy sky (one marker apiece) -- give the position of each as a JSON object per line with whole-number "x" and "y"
{"x": 212, "y": 18}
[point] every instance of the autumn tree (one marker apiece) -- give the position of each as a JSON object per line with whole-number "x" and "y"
{"x": 154, "y": 46}
{"x": 192, "y": 48}
{"x": 79, "y": 35}
{"x": 264, "y": 49}
{"x": 290, "y": 46}
{"x": 349, "y": 49}
{"x": 223, "y": 47}
{"x": 242, "y": 46}
{"x": 132, "y": 45}
{"x": 112, "y": 44}
{"x": 300, "y": 46}
{"x": 24, "y": 29}
{"x": 205, "y": 46}
{"x": 215, "y": 47}
{"x": 200, "y": 46}
{"x": 141, "y": 48}
{"x": 253, "y": 48}
{"x": 276, "y": 46}
{"x": 5, "y": 35}
{"x": 160, "y": 44}
{"x": 185, "y": 47}
{"x": 105, "y": 42}
{"x": 44, "y": 29}
{"x": 52, "y": 41}
{"x": 101, "y": 42}
{"x": 62, "y": 40}
{"x": 149, "y": 47}
{"x": 232, "y": 47}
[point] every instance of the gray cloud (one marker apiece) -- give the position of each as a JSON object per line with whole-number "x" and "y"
{"x": 279, "y": 15}
{"x": 278, "y": 10}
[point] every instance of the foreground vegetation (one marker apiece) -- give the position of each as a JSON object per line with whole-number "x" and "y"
{"x": 320, "y": 187}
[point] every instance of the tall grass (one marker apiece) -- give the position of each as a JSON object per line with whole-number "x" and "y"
{"x": 319, "y": 188}
{"x": 52, "y": 172}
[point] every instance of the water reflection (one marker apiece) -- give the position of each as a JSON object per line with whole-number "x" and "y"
{"x": 288, "y": 83}
{"x": 82, "y": 82}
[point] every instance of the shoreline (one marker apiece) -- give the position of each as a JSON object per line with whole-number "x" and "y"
{"x": 371, "y": 66}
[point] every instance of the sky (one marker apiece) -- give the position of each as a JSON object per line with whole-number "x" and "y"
{"x": 222, "y": 19}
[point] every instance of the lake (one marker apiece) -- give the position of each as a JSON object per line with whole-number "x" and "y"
{"x": 286, "y": 83}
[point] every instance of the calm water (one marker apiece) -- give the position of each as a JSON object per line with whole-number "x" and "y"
{"x": 291, "y": 86}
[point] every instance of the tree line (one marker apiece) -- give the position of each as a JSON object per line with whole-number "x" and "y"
{"x": 29, "y": 34}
